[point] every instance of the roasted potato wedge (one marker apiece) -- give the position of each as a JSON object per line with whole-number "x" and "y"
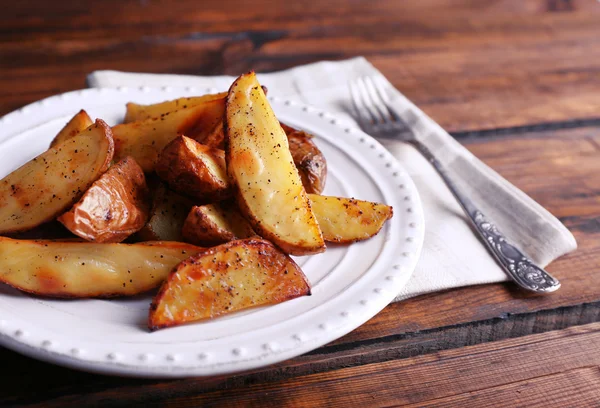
{"x": 167, "y": 216}
{"x": 346, "y": 220}
{"x": 215, "y": 224}
{"x": 194, "y": 169}
{"x": 309, "y": 161}
{"x": 84, "y": 269}
{"x": 113, "y": 208}
{"x": 51, "y": 183}
{"x": 224, "y": 279}
{"x": 144, "y": 140}
{"x": 137, "y": 112}
{"x": 342, "y": 221}
{"x": 261, "y": 170}
{"x": 78, "y": 123}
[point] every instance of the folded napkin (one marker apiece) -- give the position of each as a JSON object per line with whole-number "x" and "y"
{"x": 452, "y": 255}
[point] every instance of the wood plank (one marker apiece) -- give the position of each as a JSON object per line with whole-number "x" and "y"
{"x": 413, "y": 380}
{"x": 574, "y": 388}
{"x": 461, "y": 63}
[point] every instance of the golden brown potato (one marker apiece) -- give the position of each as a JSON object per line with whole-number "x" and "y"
{"x": 137, "y": 112}
{"x": 113, "y": 208}
{"x": 51, "y": 183}
{"x": 194, "y": 169}
{"x": 342, "y": 220}
{"x": 215, "y": 224}
{"x": 144, "y": 140}
{"x": 309, "y": 161}
{"x": 265, "y": 181}
{"x": 84, "y": 269}
{"x": 224, "y": 279}
{"x": 167, "y": 216}
{"x": 346, "y": 220}
{"x": 78, "y": 123}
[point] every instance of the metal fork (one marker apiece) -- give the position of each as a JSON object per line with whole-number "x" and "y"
{"x": 378, "y": 117}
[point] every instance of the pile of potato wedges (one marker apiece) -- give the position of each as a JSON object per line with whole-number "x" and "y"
{"x": 205, "y": 197}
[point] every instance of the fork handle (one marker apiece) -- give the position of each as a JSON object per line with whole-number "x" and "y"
{"x": 519, "y": 267}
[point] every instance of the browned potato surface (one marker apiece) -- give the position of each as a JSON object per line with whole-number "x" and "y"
{"x": 78, "y": 123}
{"x": 140, "y": 112}
{"x": 84, "y": 269}
{"x": 144, "y": 140}
{"x": 167, "y": 216}
{"x": 51, "y": 183}
{"x": 215, "y": 138}
{"x": 342, "y": 220}
{"x": 113, "y": 208}
{"x": 194, "y": 169}
{"x": 215, "y": 224}
{"x": 309, "y": 161}
{"x": 265, "y": 181}
{"x": 346, "y": 220}
{"x": 224, "y": 279}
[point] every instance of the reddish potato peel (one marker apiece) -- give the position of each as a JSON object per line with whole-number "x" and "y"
{"x": 113, "y": 208}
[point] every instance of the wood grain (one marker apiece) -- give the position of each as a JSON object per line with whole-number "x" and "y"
{"x": 511, "y": 62}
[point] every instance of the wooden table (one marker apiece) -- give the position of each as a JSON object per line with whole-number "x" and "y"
{"x": 516, "y": 81}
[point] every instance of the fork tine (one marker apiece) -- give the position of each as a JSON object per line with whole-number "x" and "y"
{"x": 385, "y": 99}
{"x": 364, "y": 116}
{"x": 377, "y": 101}
{"x": 370, "y": 105}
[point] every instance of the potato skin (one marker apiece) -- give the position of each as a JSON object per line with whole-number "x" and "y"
{"x": 167, "y": 216}
{"x": 195, "y": 170}
{"x": 309, "y": 161}
{"x": 78, "y": 123}
{"x": 113, "y": 208}
{"x": 51, "y": 183}
{"x": 227, "y": 278}
{"x": 215, "y": 224}
{"x": 85, "y": 269}
{"x": 265, "y": 181}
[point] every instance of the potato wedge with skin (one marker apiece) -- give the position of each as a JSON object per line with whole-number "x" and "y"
{"x": 52, "y": 182}
{"x": 84, "y": 269}
{"x": 347, "y": 220}
{"x": 261, "y": 170}
{"x": 144, "y": 140}
{"x": 113, "y": 208}
{"x": 215, "y": 224}
{"x": 309, "y": 161}
{"x": 78, "y": 123}
{"x": 167, "y": 216}
{"x": 195, "y": 170}
{"x": 224, "y": 279}
{"x": 136, "y": 112}
{"x": 342, "y": 221}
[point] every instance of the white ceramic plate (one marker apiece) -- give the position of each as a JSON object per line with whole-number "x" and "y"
{"x": 350, "y": 284}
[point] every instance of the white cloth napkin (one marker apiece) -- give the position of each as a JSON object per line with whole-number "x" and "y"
{"x": 452, "y": 255}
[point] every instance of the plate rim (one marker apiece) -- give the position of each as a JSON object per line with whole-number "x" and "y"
{"x": 18, "y": 342}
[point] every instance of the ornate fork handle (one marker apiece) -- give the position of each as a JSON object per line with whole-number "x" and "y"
{"x": 524, "y": 272}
